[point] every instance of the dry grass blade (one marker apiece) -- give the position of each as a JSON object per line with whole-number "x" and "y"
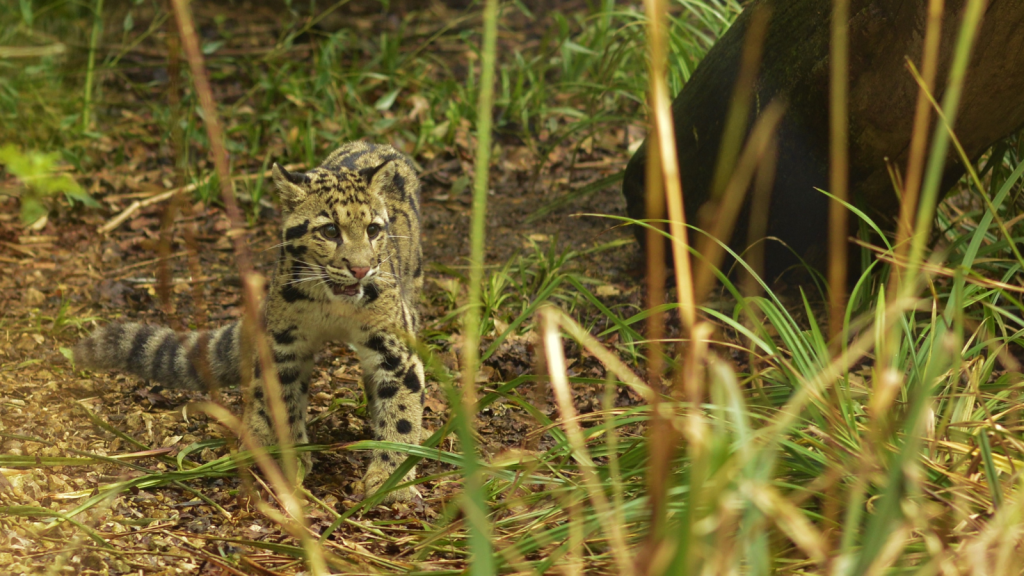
{"x": 757, "y": 149}
{"x": 839, "y": 173}
{"x": 663, "y": 188}
{"x": 252, "y": 289}
{"x": 972, "y": 15}
{"x": 609, "y": 359}
{"x": 200, "y": 78}
{"x": 790, "y": 519}
{"x": 283, "y": 491}
{"x": 919, "y": 136}
{"x": 667, "y": 174}
{"x": 737, "y": 118}
{"x": 555, "y": 356}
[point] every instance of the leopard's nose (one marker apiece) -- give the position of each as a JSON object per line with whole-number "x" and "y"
{"x": 358, "y": 272}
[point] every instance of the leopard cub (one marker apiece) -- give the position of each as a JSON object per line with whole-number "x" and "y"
{"x": 350, "y": 270}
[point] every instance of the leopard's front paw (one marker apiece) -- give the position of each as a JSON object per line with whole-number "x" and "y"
{"x": 375, "y": 477}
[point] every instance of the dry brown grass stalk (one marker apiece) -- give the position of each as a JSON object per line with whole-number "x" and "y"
{"x": 252, "y": 285}
{"x": 758, "y": 147}
{"x": 839, "y": 172}
{"x": 557, "y": 369}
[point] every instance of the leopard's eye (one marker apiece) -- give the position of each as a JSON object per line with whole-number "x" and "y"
{"x": 330, "y": 231}
{"x": 372, "y": 230}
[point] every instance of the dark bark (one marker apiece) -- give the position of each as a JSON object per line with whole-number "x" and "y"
{"x": 795, "y": 69}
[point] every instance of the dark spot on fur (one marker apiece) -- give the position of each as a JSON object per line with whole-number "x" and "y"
{"x": 222, "y": 364}
{"x": 391, "y": 362}
{"x": 412, "y": 381}
{"x": 384, "y": 456}
{"x": 371, "y": 292}
{"x": 295, "y": 250}
{"x": 263, "y": 414}
{"x": 296, "y": 231}
{"x": 225, "y": 345}
{"x": 193, "y": 358}
{"x": 378, "y": 344}
{"x": 111, "y": 338}
{"x": 399, "y": 182}
{"x": 163, "y": 359}
{"x": 349, "y": 160}
{"x": 305, "y": 387}
{"x": 257, "y": 370}
{"x": 292, "y": 418}
{"x": 258, "y": 393}
{"x": 285, "y": 337}
{"x": 385, "y": 392}
{"x": 401, "y": 407}
{"x": 139, "y": 341}
{"x": 403, "y": 426}
{"x": 288, "y": 376}
{"x": 292, "y": 293}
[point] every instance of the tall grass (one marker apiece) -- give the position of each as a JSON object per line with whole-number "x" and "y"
{"x": 759, "y": 447}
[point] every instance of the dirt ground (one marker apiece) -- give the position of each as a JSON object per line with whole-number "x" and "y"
{"x": 62, "y": 279}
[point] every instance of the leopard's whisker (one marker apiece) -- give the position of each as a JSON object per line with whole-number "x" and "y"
{"x": 307, "y": 279}
{"x": 278, "y": 245}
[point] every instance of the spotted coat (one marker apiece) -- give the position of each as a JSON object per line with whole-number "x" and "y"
{"x": 350, "y": 270}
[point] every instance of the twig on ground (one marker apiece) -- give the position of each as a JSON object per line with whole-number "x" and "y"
{"x": 32, "y": 51}
{"x": 137, "y": 205}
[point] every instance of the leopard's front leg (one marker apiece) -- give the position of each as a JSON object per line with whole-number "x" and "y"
{"x": 394, "y": 381}
{"x": 293, "y": 360}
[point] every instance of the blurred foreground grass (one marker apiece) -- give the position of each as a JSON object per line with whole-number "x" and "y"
{"x": 796, "y": 458}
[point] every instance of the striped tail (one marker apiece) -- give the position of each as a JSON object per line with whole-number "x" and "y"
{"x": 189, "y": 360}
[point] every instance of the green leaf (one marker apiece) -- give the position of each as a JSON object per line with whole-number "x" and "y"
{"x": 571, "y": 46}
{"x": 211, "y": 47}
{"x": 26, "y": 12}
{"x": 36, "y": 171}
{"x": 81, "y": 196}
{"x": 386, "y": 101}
{"x": 31, "y": 209}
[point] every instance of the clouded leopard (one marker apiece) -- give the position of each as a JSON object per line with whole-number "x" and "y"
{"x": 350, "y": 269}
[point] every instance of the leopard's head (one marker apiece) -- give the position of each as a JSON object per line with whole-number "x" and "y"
{"x": 335, "y": 229}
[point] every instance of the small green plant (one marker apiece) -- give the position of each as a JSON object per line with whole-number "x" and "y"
{"x": 37, "y": 172}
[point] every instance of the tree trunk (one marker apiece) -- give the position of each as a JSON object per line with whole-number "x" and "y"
{"x": 795, "y": 69}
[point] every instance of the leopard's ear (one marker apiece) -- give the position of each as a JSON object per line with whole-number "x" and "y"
{"x": 291, "y": 185}
{"x": 380, "y": 176}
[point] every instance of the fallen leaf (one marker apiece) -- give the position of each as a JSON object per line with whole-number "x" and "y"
{"x": 170, "y": 441}
{"x": 33, "y": 297}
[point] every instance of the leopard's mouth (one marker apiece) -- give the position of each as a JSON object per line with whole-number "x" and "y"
{"x": 349, "y": 290}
